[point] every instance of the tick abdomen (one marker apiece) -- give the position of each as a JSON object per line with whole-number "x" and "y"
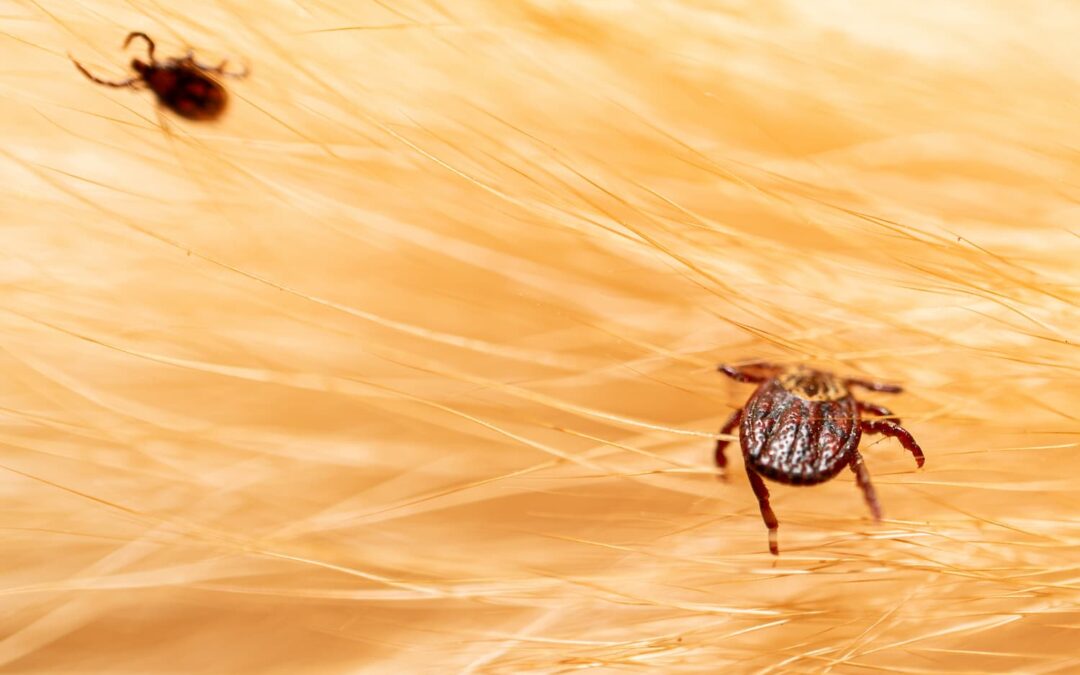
{"x": 792, "y": 439}
{"x": 187, "y": 91}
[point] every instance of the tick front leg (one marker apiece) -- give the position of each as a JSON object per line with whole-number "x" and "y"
{"x": 879, "y": 410}
{"x": 149, "y": 43}
{"x": 862, "y": 478}
{"x": 747, "y": 373}
{"x": 874, "y": 386}
{"x": 732, "y": 422}
{"x": 898, "y": 432}
{"x": 107, "y": 83}
{"x": 762, "y": 494}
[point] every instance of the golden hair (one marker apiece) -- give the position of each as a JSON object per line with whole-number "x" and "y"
{"x": 407, "y": 363}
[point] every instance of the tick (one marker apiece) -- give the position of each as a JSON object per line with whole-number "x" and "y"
{"x": 802, "y": 427}
{"x": 182, "y": 85}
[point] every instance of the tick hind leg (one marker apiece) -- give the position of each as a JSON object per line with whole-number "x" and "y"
{"x": 762, "y": 494}
{"x": 721, "y": 445}
{"x": 219, "y": 69}
{"x": 888, "y": 428}
{"x": 238, "y": 75}
{"x": 862, "y": 478}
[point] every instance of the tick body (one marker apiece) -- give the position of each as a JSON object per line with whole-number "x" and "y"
{"x": 802, "y": 427}
{"x": 182, "y": 85}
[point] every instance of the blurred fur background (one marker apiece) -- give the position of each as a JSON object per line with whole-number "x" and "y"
{"x": 407, "y": 365}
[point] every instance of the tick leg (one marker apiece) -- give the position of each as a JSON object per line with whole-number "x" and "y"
{"x": 879, "y": 410}
{"x": 746, "y": 373}
{"x": 149, "y": 43}
{"x": 124, "y": 83}
{"x": 896, "y": 431}
{"x": 732, "y": 422}
{"x": 218, "y": 69}
{"x": 239, "y": 76}
{"x": 862, "y": 478}
{"x": 874, "y": 386}
{"x": 767, "y": 514}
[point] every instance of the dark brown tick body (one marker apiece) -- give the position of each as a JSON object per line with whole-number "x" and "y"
{"x": 801, "y": 427}
{"x": 182, "y": 85}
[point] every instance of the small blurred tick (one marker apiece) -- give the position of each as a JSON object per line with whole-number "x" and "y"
{"x": 802, "y": 427}
{"x": 182, "y": 85}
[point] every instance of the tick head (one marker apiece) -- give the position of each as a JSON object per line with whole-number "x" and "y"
{"x": 813, "y": 385}
{"x": 140, "y": 67}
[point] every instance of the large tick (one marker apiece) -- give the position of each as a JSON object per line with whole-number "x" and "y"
{"x": 802, "y": 427}
{"x": 182, "y": 85}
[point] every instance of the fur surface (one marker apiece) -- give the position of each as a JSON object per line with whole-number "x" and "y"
{"x": 407, "y": 365}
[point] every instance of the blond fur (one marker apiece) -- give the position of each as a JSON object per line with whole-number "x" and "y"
{"x": 407, "y": 365}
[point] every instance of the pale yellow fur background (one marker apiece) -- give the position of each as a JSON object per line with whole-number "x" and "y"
{"x": 407, "y": 365}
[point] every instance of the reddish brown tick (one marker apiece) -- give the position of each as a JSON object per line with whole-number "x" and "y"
{"x": 802, "y": 427}
{"x": 182, "y": 85}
